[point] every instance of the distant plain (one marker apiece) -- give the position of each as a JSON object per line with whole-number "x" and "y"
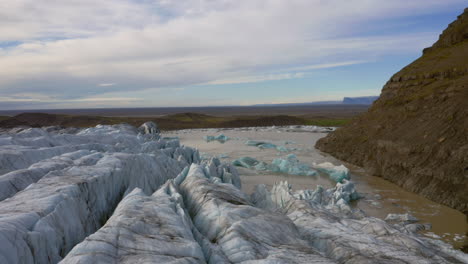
{"x": 188, "y": 117}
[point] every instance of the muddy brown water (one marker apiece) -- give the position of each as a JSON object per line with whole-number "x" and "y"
{"x": 381, "y": 197}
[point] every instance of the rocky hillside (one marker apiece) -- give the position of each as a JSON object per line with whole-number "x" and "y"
{"x": 416, "y": 133}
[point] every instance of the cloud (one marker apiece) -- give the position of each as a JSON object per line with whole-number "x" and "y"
{"x": 67, "y": 48}
{"x": 295, "y": 72}
{"x": 106, "y": 84}
{"x": 40, "y": 101}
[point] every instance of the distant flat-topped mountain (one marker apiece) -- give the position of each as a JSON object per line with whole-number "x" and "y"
{"x": 416, "y": 133}
{"x": 364, "y": 100}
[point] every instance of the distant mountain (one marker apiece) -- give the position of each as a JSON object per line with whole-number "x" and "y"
{"x": 301, "y": 104}
{"x": 364, "y": 100}
{"x": 416, "y": 133}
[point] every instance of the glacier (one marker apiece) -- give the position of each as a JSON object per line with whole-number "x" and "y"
{"x": 143, "y": 229}
{"x": 64, "y": 199}
{"x": 120, "y": 194}
{"x": 345, "y": 235}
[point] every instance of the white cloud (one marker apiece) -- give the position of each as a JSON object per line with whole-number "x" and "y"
{"x": 106, "y": 84}
{"x": 70, "y": 46}
{"x": 294, "y": 73}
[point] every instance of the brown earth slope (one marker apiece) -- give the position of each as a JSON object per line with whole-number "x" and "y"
{"x": 416, "y": 134}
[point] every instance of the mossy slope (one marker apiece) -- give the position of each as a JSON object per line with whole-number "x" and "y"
{"x": 416, "y": 133}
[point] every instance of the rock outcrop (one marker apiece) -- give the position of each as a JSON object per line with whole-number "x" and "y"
{"x": 416, "y": 133}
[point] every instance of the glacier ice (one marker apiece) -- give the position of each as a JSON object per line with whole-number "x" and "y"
{"x": 335, "y": 199}
{"x": 268, "y": 145}
{"x": 234, "y": 231}
{"x": 336, "y": 173}
{"x": 260, "y": 144}
{"x": 407, "y": 218}
{"x": 143, "y": 229}
{"x": 246, "y": 162}
{"x": 151, "y": 129}
{"x": 12, "y": 182}
{"x": 289, "y": 165}
{"x": 347, "y": 235}
{"x": 118, "y": 194}
{"x": 220, "y": 138}
{"x": 65, "y": 186}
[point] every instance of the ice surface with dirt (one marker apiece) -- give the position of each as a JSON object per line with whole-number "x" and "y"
{"x": 119, "y": 194}
{"x": 58, "y": 188}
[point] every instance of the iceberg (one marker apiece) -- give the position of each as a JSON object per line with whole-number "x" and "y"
{"x": 268, "y": 145}
{"x": 260, "y": 144}
{"x": 246, "y": 162}
{"x": 220, "y": 138}
{"x": 289, "y": 165}
{"x": 336, "y": 173}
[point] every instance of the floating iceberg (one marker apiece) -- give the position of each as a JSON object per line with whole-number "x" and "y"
{"x": 267, "y": 145}
{"x": 220, "y": 138}
{"x": 336, "y": 173}
{"x": 246, "y": 162}
{"x": 289, "y": 165}
{"x": 260, "y": 144}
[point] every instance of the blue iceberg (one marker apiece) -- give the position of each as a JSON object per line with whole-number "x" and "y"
{"x": 289, "y": 165}
{"x": 336, "y": 173}
{"x": 246, "y": 162}
{"x": 220, "y": 138}
{"x": 267, "y": 145}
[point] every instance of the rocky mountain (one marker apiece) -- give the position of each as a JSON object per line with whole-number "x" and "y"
{"x": 416, "y": 133}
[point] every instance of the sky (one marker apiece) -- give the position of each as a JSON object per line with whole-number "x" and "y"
{"x": 160, "y": 53}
